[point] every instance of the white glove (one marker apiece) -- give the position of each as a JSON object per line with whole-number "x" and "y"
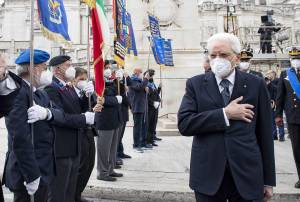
{"x": 119, "y": 73}
{"x": 32, "y": 187}
{"x": 156, "y": 105}
{"x": 37, "y": 113}
{"x": 119, "y": 98}
{"x": 89, "y": 118}
{"x": 89, "y": 88}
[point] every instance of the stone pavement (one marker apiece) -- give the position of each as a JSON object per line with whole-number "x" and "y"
{"x": 162, "y": 174}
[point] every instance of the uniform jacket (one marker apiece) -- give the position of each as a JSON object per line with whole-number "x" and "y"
{"x": 247, "y": 148}
{"x": 110, "y": 117}
{"x": 137, "y": 95}
{"x": 66, "y": 99}
{"x": 287, "y": 100}
{"x": 153, "y": 95}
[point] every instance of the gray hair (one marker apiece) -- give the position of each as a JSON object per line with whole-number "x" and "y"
{"x": 225, "y": 37}
{"x": 22, "y": 69}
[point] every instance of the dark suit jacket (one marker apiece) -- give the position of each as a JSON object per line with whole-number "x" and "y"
{"x": 7, "y": 100}
{"x": 287, "y": 101}
{"x": 23, "y": 161}
{"x": 137, "y": 95}
{"x": 153, "y": 96}
{"x": 255, "y": 73}
{"x": 125, "y": 102}
{"x": 66, "y": 99}
{"x": 247, "y": 148}
{"x": 110, "y": 117}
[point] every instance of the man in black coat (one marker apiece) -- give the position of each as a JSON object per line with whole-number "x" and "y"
{"x": 108, "y": 122}
{"x": 138, "y": 100}
{"x": 229, "y": 114}
{"x": 9, "y": 88}
{"x": 153, "y": 106}
{"x": 288, "y": 100}
{"x": 67, "y": 141}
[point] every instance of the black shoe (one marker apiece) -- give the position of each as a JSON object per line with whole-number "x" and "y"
{"x": 297, "y": 185}
{"x": 124, "y": 156}
{"x": 154, "y": 144}
{"x": 148, "y": 147}
{"x": 107, "y": 178}
{"x": 282, "y": 139}
{"x": 275, "y": 138}
{"x": 118, "y": 167}
{"x": 139, "y": 150}
{"x": 84, "y": 200}
{"x": 157, "y": 139}
{"x": 119, "y": 162}
{"x": 116, "y": 175}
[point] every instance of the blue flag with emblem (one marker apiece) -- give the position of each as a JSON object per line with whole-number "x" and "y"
{"x": 54, "y": 23}
{"x": 157, "y": 45}
{"x": 294, "y": 81}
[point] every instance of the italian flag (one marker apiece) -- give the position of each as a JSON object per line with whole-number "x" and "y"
{"x": 101, "y": 41}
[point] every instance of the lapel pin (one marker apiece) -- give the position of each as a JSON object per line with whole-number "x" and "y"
{"x": 245, "y": 86}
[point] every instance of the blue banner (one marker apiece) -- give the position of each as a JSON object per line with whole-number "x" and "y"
{"x": 54, "y": 23}
{"x": 157, "y": 45}
{"x": 168, "y": 52}
{"x": 154, "y": 26}
{"x": 130, "y": 39}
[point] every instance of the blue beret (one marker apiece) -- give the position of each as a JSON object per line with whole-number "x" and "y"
{"x": 39, "y": 57}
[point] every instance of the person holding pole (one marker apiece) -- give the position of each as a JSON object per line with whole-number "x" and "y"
{"x": 63, "y": 95}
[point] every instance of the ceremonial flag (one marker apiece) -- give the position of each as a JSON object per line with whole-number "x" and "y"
{"x": 157, "y": 45}
{"x": 101, "y": 41}
{"x": 120, "y": 41}
{"x": 130, "y": 39}
{"x": 168, "y": 53}
{"x": 154, "y": 26}
{"x": 54, "y": 23}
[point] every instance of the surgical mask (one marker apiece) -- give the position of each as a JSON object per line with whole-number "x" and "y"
{"x": 221, "y": 67}
{"x": 82, "y": 84}
{"x": 46, "y": 78}
{"x": 107, "y": 73}
{"x": 70, "y": 73}
{"x": 244, "y": 65}
{"x": 295, "y": 63}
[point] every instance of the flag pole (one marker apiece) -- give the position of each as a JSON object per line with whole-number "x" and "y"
{"x": 31, "y": 72}
{"x": 88, "y": 55}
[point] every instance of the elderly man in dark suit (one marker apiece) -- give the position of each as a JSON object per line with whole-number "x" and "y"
{"x": 229, "y": 114}
{"x": 67, "y": 147}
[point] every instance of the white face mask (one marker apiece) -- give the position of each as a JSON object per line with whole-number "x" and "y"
{"x": 70, "y": 73}
{"x": 82, "y": 84}
{"x": 221, "y": 67}
{"x": 107, "y": 73}
{"x": 46, "y": 78}
{"x": 295, "y": 63}
{"x": 244, "y": 65}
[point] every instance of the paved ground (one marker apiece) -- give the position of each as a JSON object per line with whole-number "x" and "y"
{"x": 166, "y": 168}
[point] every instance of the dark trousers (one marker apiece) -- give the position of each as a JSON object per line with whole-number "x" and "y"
{"x": 266, "y": 46}
{"x": 87, "y": 162}
{"x": 139, "y": 130}
{"x": 152, "y": 123}
{"x": 41, "y": 195}
{"x": 63, "y": 186}
{"x": 294, "y": 131}
{"x": 1, "y": 193}
{"x": 227, "y": 192}
{"x": 120, "y": 146}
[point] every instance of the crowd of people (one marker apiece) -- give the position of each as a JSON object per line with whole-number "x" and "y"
{"x": 51, "y": 147}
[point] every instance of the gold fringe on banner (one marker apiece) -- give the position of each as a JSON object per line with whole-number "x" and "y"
{"x": 55, "y": 37}
{"x": 119, "y": 60}
{"x": 90, "y": 3}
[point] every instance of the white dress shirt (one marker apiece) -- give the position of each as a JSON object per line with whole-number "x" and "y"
{"x": 231, "y": 79}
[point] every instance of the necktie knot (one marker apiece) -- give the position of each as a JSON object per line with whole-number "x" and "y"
{"x": 225, "y": 83}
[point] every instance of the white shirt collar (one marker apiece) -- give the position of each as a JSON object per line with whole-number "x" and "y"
{"x": 230, "y": 78}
